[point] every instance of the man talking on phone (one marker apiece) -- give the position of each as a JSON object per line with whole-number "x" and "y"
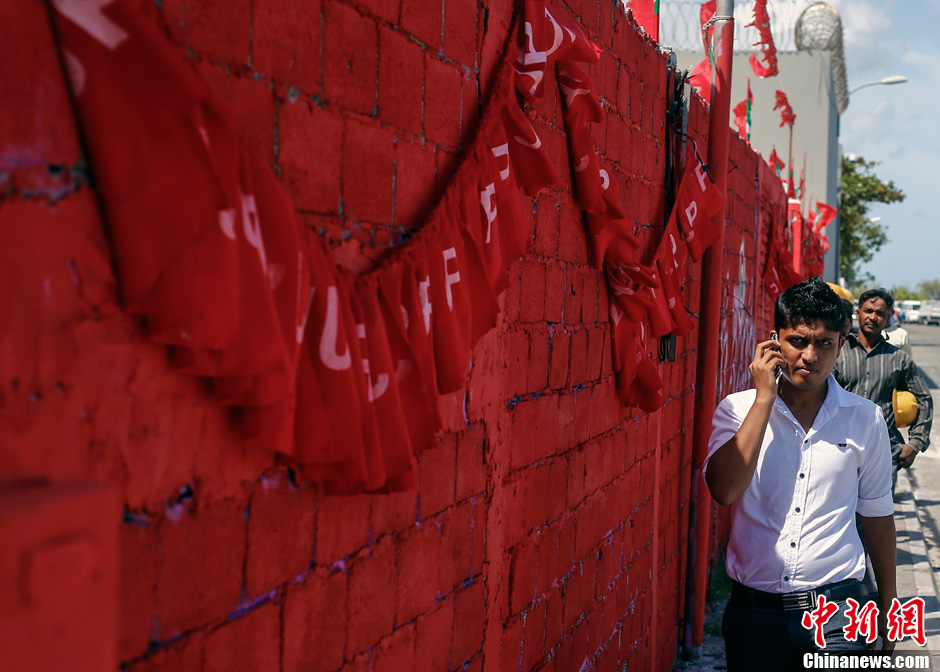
{"x": 796, "y": 458}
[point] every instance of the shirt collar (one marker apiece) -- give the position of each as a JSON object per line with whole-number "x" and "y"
{"x": 836, "y": 397}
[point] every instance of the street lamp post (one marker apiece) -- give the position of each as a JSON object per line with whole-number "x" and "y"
{"x": 894, "y": 79}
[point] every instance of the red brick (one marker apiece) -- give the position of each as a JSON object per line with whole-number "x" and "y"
{"x": 538, "y": 497}
{"x": 546, "y": 420}
{"x": 201, "y": 576}
{"x": 461, "y": 37}
{"x": 533, "y": 291}
{"x": 515, "y": 352}
{"x": 471, "y": 468}
{"x": 424, "y": 21}
{"x": 315, "y": 612}
{"x": 522, "y": 575}
{"x": 138, "y": 578}
{"x": 437, "y": 477}
{"x": 441, "y": 102}
{"x": 350, "y": 48}
{"x": 220, "y": 29}
{"x": 393, "y": 512}
{"x": 368, "y": 154}
{"x": 414, "y": 183}
{"x": 286, "y": 42}
{"x": 248, "y": 643}
{"x": 401, "y": 81}
{"x": 418, "y": 566}
{"x": 280, "y": 534}
{"x": 310, "y": 152}
{"x": 578, "y": 364}
{"x": 546, "y": 231}
{"x": 469, "y": 612}
{"x": 342, "y": 527}
{"x": 396, "y": 653}
{"x": 370, "y": 619}
{"x": 538, "y": 364}
{"x": 560, "y": 354}
{"x": 456, "y": 543}
{"x": 547, "y": 558}
{"x": 435, "y": 638}
{"x": 555, "y": 292}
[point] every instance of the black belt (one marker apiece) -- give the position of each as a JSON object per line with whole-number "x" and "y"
{"x": 797, "y": 601}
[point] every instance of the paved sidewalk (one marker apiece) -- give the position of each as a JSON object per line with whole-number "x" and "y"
{"x": 915, "y": 507}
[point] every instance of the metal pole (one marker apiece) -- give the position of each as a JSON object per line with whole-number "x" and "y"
{"x": 706, "y": 386}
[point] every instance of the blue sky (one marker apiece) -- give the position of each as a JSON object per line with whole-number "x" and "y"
{"x": 897, "y": 125}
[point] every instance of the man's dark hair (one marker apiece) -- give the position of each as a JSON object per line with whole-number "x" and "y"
{"x": 809, "y": 302}
{"x": 878, "y": 293}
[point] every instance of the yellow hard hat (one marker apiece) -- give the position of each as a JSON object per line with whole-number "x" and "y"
{"x": 840, "y": 291}
{"x": 905, "y": 407}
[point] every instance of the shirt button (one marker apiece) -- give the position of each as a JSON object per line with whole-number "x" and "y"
{"x": 801, "y": 475}
{"x": 786, "y": 578}
{"x": 792, "y": 544}
{"x": 797, "y": 509}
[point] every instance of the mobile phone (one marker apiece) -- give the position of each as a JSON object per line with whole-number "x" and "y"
{"x": 778, "y": 370}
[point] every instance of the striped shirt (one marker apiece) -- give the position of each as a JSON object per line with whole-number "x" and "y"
{"x": 875, "y": 375}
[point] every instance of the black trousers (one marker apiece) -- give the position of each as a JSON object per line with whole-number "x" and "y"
{"x": 775, "y": 641}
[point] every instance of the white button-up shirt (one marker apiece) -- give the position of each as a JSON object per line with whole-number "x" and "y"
{"x": 793, "y": 529}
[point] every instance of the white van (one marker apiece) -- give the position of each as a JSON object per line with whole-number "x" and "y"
{"x": 911, "y": 310}
{"x": 930, "y": 312}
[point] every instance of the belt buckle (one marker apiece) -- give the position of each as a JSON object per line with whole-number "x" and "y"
{"x": 799, "y": 601}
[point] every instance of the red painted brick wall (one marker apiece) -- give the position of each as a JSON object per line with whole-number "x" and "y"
{"x": 550, "y": 524}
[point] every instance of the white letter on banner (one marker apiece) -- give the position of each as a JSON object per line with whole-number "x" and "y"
{"x": 378, "y": 389}
{"x": 328, "y": 340}
{"x": 691, "y": 211}
{"x": 252, "y": 225}
{"x": 558, "y": 37}
{"x": 701, "y": 175}
{"x": 426, "y": 308}
{"x": 502, "y": 150}
{"x": 531, "y": 55}
{"x": 605, "y": 178}
{"x": 227, "y": 223}
{"x": 87, "y": 15}
{"x": 486, "y": 200}
{"x": 450, "y": 278}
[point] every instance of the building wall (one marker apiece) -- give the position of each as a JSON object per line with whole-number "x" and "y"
{"x": 550, "y": 523}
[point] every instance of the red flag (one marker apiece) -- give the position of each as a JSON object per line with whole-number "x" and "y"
{"x": 531, "y": 163}
{"x": 742, "y": 114}
{"x": 776, "y": 162}
{"x": 446, "y": 301}
{"x": 697, "y": 201}
{"x": 761, "y": 22}
{"x": 825, "y": 213}
{"x": 646, "y": 13}
{"x": 550, "y": 35}
{"x": 786, "y": 112}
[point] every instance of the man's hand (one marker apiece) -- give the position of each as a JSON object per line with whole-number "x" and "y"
{"x": 766, "y": 358}
{"x": 906, "y": 458}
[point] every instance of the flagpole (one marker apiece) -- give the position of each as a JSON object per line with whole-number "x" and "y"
{"x": 706, "y": 385}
